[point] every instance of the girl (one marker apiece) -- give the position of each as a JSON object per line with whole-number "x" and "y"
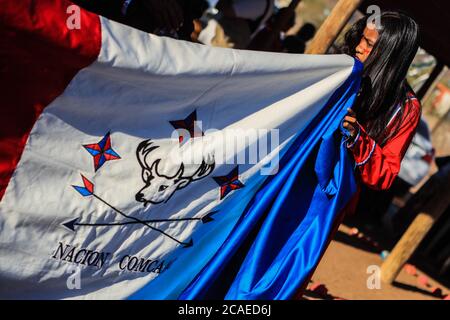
{"x": 386, "y": 113}
{"x": 386, "y": 116}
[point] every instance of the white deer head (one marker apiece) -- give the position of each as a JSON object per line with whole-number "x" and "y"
{"x": 159, "y": 187}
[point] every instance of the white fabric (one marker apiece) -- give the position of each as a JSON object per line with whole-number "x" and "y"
{"x": 208, "y": 33}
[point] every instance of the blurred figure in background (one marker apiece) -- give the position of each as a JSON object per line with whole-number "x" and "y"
{"x": 418, "y": 158}
{"x": 297, "y": 43}
{"x": 238, "y": 20}
{"x": 270, "y": 37}
{"x": 195, "y": 11}
{"x": 173, "y": 18}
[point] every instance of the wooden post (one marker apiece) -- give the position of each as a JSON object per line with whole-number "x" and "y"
{"x": 437, "y": 123}
{"x": 436, "y": 196}
{"x": 332, "y": 26}
{"x": 430, "y": 81}
{"x": 434, "y": 121}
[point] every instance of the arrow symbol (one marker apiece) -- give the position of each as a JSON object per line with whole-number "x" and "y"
{"x": 88, "y": 190}
{"x": 208, "y": 217}
{"x": 70, "y": 225}
{"x": 188, "y": 244}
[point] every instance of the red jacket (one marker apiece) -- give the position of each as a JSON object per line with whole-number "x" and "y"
{"x": 378, "y": 166}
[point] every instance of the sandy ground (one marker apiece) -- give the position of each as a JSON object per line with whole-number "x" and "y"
{"x": 343, "y": 271}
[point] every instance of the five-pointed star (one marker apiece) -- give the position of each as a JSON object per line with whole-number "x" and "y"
{"x": 102, "y": 151}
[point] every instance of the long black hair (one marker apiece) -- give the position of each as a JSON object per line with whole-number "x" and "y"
{"x": 386, "y": 68}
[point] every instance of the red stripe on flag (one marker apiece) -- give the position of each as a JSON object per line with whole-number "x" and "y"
{"x": 39, "y": 56}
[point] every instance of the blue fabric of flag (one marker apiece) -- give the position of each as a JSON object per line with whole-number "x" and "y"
{"x": 285, "y": 228}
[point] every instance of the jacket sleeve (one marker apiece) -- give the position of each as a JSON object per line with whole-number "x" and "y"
{"x": 379, "y": 165}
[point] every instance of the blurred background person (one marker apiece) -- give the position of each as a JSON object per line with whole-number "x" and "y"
{"x": 270, "y": 37}
{"x": 297, "y": 43}
{"x": 237, "y": 20}
{"x": 173, "y": 18}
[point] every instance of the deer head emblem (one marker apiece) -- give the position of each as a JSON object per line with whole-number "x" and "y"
{"x": 158, "y": 186}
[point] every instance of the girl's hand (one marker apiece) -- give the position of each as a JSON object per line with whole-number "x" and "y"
{"x": 350, "y": 123}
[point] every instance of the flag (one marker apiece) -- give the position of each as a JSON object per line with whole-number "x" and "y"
{"x": 142, "y": 167}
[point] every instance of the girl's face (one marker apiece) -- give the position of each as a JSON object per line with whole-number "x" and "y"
{"x": 368, "y": 40}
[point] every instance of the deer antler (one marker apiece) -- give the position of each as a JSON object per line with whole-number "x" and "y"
{"x": 202, "y": 171}
{"x": 143, "y": 149}
{"x": 179, "y": 173}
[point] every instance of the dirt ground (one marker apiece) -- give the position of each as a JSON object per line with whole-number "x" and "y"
{"x": 343, "y": 273}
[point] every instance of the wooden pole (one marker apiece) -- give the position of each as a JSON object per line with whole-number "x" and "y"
{"x": 434, "y": 121}
{"x": 429, "y": 92}
{"x": 436, "y": 196}
{"x": 332, "y": 26}
{"x": 437, "y": 123}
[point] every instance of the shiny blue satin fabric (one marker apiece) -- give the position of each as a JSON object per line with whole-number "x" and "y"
{"x": 285, "y": 228}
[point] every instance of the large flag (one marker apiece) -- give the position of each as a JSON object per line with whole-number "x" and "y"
{"x": 142, "y": 167}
